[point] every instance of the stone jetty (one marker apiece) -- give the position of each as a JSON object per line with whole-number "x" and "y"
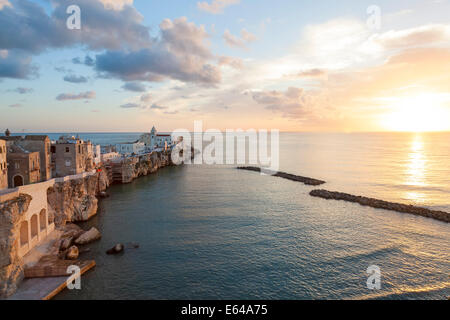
{"x": 284, "y": 175}
{"x": 381, "y": 204}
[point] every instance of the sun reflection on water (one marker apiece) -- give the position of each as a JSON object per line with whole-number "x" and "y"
{"x": 416, "y": 168}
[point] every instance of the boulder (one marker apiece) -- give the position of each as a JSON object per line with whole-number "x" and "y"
{"x": 118, "y": 248}
{"x": 103, "y": 194}
{"x": 88, "y": 236}
{"x": 65, "y": 243}
{"x": 72, "y": 253}
{"x": 72, "y": 230}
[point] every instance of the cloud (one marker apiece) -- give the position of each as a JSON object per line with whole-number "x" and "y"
{"x": 88, "y": 61}
{"x": 216, "y": 6}
{"x": 27, "y": 30}
{"x": 157, "y": 107}
{"x": 234, "y": 63}
{"x": 28, "y": 27}
{"x": 75, "y": 79}
{"x": 414, "y": 37}
{"x": 4, "y": 3}
{"x": 22, "y": 90}
{"x": 63, "y": 69}
{"x": 146, "y": 98}
{"x": 16, "y": 105}
{"x": 291, "y": 103}
{"x": 134, "y": 86}
{"x": 130, "y": 106}
{"x": 80, "y": 96}
{"x": 311, "y": 74}
{"x": 180, "y": 53}
{"x": 233, "y": 41}
{"x": 116, "y": 4}
{"x": 17, "y": 65}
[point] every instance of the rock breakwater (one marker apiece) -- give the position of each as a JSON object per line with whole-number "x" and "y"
{"x": 381, "y": 204}
{"x": 284, "y": 175}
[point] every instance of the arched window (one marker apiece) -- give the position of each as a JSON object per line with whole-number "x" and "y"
{"x": 42, "y": 220}
{"x": 34, "y": 226}
{"x": 24, "y": 233}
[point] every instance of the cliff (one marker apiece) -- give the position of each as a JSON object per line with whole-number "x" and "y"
{"x": 134, "y": 167}
{"x": 72, "y": 200}
{"x": 75, "y": 200}
{"x": 11, "y": 265}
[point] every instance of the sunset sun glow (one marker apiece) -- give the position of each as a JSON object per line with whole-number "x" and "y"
{"x": 422, "y": 112}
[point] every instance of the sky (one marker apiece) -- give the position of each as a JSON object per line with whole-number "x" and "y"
{"x": 291, "y": 65}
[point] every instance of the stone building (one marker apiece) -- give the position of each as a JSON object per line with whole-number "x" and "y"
{"x": 131, "y": 148}
{"x": 155, "y": 140}
{"x": 23, "y": 166}
{"x": 3, "y": 166}
{"x": 34, "y": 143}
{"x": 70, "y": 156}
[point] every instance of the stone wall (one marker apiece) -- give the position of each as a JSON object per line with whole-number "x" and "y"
{"x": 11, "y": 265}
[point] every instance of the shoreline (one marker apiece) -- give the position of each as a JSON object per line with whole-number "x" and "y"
{"x": 69, "y": 201}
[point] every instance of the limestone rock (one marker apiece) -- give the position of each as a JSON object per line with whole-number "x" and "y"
{"x": 75, "y": 200}
{"x": 72, "y": 230}
{"x": 103, "y": 195}
{"x": 65, "y": 243}
{"x": 72, "y": 253}
{"x": 11, "y": 265}
{"x": 118, "y": 248}
{"x": 88, "y": 236}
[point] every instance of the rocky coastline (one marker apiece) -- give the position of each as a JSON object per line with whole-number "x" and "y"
{"x": 68, "y": 202}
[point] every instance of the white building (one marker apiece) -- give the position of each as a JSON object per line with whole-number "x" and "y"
{"x": 155, "y": 140}
{"x": 128, "y": 148}
{"x": 97, "y": 154}
{"x": 110, "y": 156}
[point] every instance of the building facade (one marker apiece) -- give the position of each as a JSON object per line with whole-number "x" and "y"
{"x": 97, "y": 155}
{"x": 155, "y": 140}
{"x": 70, "y": 156}
{"x": 23, "y": 167}
{"x": 3, "y": 166}
{"x": 35, "y": 143}
{"x": 129, "y": 148}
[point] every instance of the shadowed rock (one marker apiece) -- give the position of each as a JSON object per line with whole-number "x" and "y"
{"x": 284, "y": 175}
{"x": 118, "y": 248}
{"x": 380, "y": 204}
{"x": 72, "y": 253}
{"x": 88, "y": 236}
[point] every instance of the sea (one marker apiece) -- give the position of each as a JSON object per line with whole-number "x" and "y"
{"x": 214, "y": 232}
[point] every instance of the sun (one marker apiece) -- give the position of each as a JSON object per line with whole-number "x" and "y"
{"x": 417, "y": 113}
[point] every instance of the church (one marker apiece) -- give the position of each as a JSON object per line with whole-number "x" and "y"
{"x": 155, "y": 140}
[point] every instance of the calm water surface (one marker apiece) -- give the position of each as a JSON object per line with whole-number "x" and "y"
{"x": 213, "y": 232}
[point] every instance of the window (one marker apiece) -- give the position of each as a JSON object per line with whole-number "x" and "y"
{"x": 79, "y": 148}
{"x": 67, "y": 149}
{"x": 17, "y": 165}
{"x": 68, "y": 163}
{"x": 52, "y": 149}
